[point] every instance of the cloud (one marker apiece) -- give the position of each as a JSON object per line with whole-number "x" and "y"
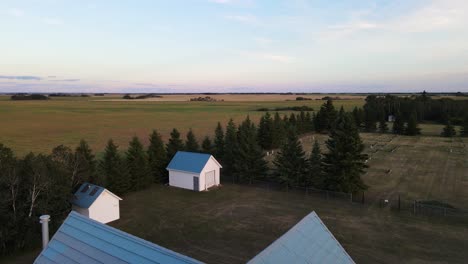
{"x": 53, "y": 21}
{"x": 16, "y": 12}
{"x": 21, "y": 77}
{"x": 221, "y": 1}
{"x": 66, "y": 80}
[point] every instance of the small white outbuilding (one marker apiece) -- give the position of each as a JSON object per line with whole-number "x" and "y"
{"x": 194, "y": 171}
{"x": 96, "y": 203}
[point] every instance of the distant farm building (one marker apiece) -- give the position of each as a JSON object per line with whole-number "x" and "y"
{"x": 309, "y": 241}
{"x": 194, "y": 171}
{"x": 391, "y": 118}
{"x": 83, "y": 240}
{"x": 96, "y": 203}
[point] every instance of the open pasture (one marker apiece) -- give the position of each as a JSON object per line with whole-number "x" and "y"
{"x": 234, "y": 223}
{"x": 38, "y": 126}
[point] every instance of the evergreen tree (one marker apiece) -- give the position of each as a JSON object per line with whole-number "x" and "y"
{"x": 137, "y": 162}
{"x": 207, "y": 146}
{"x": 315, "y": 174}
{"x": 113, "y": 170}
{"x": 265, "y": 131}
{"x": 157, "y": 158}
{"x": 308, "y": 123}
{"x": 464, "y": 129}
{"x": 291, "y": 165}
{"x": 344, "y": 163}
{"x": 449, "y": 130}
{"x": 371, "y": 111}
{"x": 278, "y": 131}
{"x": 383, "y": 127}
{"x": 249, "y": 164}
{"x": 412, "y": 128}
{"x": 231, "y": 146}
{"x": 358, "y": 115}
{"x": 85, "y": 163}
{"x": 325, "y": 117}
{"x": 191, "y": 144}
{"x": 219, "y": 143}
{"x": 292, "y": 121}
{"x": 398, "y": 124}
{"x": 175, "y": 144}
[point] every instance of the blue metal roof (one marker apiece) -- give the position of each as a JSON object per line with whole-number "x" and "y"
{"x": 309, "y": 241}
{"x": 83, "y": 240}
{"x": 188, "y": 161}
{"x": 85, "y": 196}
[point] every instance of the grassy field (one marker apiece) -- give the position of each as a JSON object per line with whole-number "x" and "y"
{"x": 39, "y": 126}
{"x": 234, "y": 223}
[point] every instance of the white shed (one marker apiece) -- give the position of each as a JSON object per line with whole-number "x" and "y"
{"x": 194, "y": 171}
{"x": 96, "y": 203}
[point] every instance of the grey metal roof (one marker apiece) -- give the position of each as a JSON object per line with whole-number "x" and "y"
{"x": 189, "y": 161}
{"x": 309, "y": 241}
{"x": 83, "y": 240}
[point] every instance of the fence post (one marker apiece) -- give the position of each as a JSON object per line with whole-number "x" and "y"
{"x": 363, "y": 200}
{"x": 351, "y": 195}
{"x": 327, "y": 195}
{"x": 414, "y": 207}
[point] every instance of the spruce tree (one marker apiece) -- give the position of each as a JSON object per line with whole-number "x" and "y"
{"x": 449, "y": 130}
{"x": 85, "y": 163}
{"x": 175, "y": 144}
{"x": 191, "y": 143}
{"x": 325, "y": 117}
{"x": 265, "y": 130}
{"x": 398, "y": 124}
{"x": 278, "y": 131}
{"x": 371, "y": 110}
{"x": 207, "y": 146}
{"x": 219, "y": 143}
{"x": 309, "y": 123}
{"x": 383, "y": 127}
{"x": 113, "y": 170}
{"x": 157, "y": 158}
{"x": 249, "y": 164}
{"x": 412, "y": 128}
{"x": 231, "y": 147}
{"x": 344, "y": 163}
{"x": 315, "y": 174}
{"x": 290, "y": 163}
{"x": 137, "y": 162}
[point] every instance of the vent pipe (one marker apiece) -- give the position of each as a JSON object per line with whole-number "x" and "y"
{"x": 44, "y": 220}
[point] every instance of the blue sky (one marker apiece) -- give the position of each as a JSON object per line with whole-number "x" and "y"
{"x": 233, "y": 45}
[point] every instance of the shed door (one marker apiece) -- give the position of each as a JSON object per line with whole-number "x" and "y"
{"x": 196, "y": 185}
{"x": 210, "y": 179}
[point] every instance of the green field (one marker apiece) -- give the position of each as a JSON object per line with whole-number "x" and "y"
{"x": 39, "y": 126}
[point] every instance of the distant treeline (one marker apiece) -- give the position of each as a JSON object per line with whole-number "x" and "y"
{"x": 287, "y": 108}
{"x": 18, "y": 97}
{"x": 143, "y": 96}
{"x": 68, "y": 95}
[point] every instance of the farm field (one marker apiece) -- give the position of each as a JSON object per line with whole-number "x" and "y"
{"x": 39, "y": 126}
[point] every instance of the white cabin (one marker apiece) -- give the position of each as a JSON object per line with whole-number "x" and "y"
{"x": 194, "y": 171}
{"x": 97, "y": 203}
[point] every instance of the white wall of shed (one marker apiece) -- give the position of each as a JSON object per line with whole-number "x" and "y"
{"x": 210, "y": 166}
{"x": 105, "y": 208}
{"x": 182, "y": 179}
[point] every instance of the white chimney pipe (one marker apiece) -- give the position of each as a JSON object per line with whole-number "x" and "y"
{"x": 44, "y": 220}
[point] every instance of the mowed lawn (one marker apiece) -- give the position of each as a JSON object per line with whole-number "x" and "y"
{"x": 234, "y": 223}
{"x": 39, "y": 126}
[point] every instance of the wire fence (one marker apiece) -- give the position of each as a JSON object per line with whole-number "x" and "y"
{"x": 396, "y": 202}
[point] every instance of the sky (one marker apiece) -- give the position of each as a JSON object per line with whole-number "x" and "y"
{"x": 233, "y": 46}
